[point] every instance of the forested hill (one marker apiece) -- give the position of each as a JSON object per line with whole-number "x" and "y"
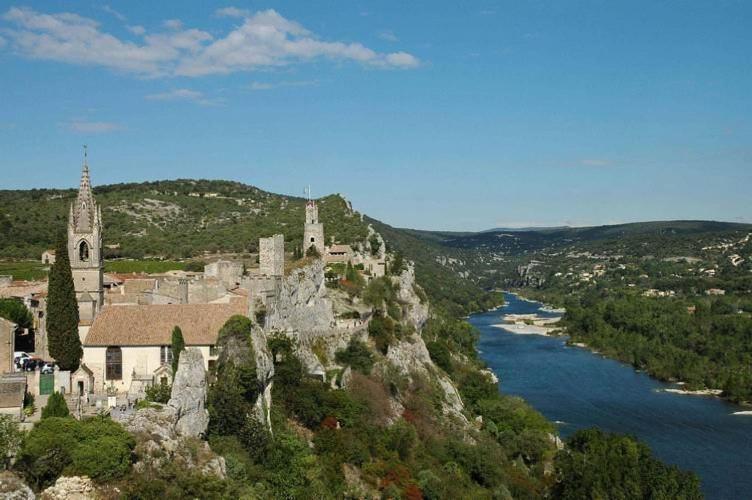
{"x": 170, "y": 219}
{"x": 180, "y": 219}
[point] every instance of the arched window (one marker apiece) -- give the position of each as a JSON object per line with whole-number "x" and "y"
{"x": 313, "y": 239}
{"x": 114, "y": 363}
{"x": 83, "y": 251}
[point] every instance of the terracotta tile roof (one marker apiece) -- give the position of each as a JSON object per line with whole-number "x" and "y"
{"x": 21, "y": 289}
{"x": 340, "y": 249}
{"x": 138, "y": 325}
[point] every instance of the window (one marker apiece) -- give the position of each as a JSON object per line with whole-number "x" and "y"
{"x": 114, "y": 363}
{"x": 83, "y": 251}
{"x": 313, "y": 239}
{"x": 213, "y": 351}
{"x": 165, "y": 355}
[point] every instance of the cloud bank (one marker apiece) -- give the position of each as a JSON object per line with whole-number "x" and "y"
{"x": 263, "y": 39}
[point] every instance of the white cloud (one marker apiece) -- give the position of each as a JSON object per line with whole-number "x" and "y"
{"x": 389, "y": 36}
{"x": 264, "y": 39}
{"x": 114, "y": 13}
{"x": 88, "y": 127}
{"x": 232, "y": 12}
{"x": 185, "y": 95}
{"x": 136, "y": 30}
{"x": 173, "y": 24}
{"x": 274, "y": 85}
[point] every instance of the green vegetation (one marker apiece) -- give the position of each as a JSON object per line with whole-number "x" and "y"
{"x": 24, "y": 270}
{"x": 357, "y": 356}
{"x": 56, "y": 406}
{"x": 95, "y": 447}
{"x": 708, "y": 345}
{"x": 16, "y": 312}
{"x": 10, "y": 440}
{"x": 172, "y": 219}
{"x": 158, "y": 393}
{"x": 599, "y": 465}
{"x": 178, "y": 346}
{"x": 62, "y": 313}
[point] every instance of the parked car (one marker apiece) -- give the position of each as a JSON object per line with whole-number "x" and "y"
{"x": 48, "y": 367}
{"x": 19, "y": 359}
{"x": 32, "y": 364}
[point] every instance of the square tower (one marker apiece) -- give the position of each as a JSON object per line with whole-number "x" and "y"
{"x": 313, "y": 234}
{"x": 272, "y": 255}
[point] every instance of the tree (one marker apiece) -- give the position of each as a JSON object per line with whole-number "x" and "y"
{"x": 15, "y": 311}
{"x": 56, "y": 406}
{"x": 178, "y": 345}
{"x": 62, "y": 312}
{"x": 10, "y": 440}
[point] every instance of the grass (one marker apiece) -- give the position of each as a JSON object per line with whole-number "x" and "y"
{"x": 143, "y": 266}
{"x": 24, "y": 269}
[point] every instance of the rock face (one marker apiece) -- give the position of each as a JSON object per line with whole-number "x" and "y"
{"x": 13, "y": 488}
{"x": 188, "y": 396}
{"x": 302, "y": 305}
{"x": 416, "y": 312}
{"x": 158, "y": 443}
{"x": 71, "y": 488}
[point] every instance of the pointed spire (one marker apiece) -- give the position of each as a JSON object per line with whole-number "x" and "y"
{"x": 84, "y": 212}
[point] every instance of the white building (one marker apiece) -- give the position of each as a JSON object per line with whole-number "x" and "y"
{"x": 129, "y": 345}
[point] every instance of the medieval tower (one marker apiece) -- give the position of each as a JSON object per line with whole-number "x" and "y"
{"x": 85, "y": 249}
{"x": 313, "y": 235}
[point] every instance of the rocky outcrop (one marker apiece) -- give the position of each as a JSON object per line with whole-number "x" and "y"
{"x": 416, "y": 312}
{"x": 12, "y": 487}
{"x": 302, "y": 304}
{"x": 188, "y": 396}
{"x": 71, "y": 488}
{"x": 158, "y": 442}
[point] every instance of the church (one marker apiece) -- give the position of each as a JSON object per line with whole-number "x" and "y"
{"x": 126, "y": 346}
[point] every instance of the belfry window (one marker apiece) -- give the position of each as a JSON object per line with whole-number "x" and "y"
{"x": 114, "y": 363}
{"x": 83, "y": 251}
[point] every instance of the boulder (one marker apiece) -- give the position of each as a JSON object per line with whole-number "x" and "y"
{"x": 188, "y": 396}
{"x": 13, "y": 488}
{"x": 71, "y": 488}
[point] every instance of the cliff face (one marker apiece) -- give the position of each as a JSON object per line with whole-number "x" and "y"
{"x": 302, "y": 304}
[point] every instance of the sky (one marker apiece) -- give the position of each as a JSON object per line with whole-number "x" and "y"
{"x": 426, "y": 114}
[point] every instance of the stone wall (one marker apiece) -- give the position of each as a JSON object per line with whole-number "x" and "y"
{"x": 226, "y": 271}
{"x": 272, "y": 255}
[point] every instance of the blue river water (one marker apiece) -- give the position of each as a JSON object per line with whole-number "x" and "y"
{"x": 579, "y": 389}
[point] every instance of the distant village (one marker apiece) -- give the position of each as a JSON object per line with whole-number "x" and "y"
{"x": 126, "y": 320}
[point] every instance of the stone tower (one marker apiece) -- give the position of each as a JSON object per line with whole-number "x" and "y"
{"x": 85, "y": 249}
{"x": 313, "y": 235}
{"x": 272, "y": 255}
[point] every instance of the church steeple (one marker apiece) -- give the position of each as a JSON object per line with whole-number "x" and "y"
{"x": 85, "y": 247}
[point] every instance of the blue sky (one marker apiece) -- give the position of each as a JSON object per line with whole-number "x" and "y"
{"x": 429, "y": 114}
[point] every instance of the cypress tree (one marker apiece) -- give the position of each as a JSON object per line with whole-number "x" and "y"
{"x": 56, "y": 406}
{"x": 178, "y": 344}
{"x": 62, "y": 312}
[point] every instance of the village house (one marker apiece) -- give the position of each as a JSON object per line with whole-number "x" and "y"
{"x": 48, "y": 257}
{"x": 339, "y": 254}
{"x": 130, "y": 344}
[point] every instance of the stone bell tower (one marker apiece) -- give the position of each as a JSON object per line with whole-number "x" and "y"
{"x": 85, "y": 249}
{"x": 313, "y": 234}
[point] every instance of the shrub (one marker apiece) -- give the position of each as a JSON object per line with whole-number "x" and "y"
{"x": 56, "y": 406}
{"x": 178, "y": 346}
{"x": 101, "y": 459}
{"x": 10, "y": 440}
{"x": 440, "y": 355}
{"x": 357, "y": 356}
{"x": 159, "y": 393}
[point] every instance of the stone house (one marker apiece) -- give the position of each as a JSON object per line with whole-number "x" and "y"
{"x": 12, "y": 391}
{"x": 339, "y": 254}
{"x": 130, "y": 344}
{"x": 7, "y": 345}
{"x": 48, "y": 257}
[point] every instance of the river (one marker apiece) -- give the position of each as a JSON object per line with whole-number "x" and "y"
{"x": 578, "y": 389}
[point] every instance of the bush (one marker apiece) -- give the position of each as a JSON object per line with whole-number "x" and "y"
{"x": 10, "y": 440}
{"x": 357, "y": 356}
{"x": 159, "y": 393}
{"x": 440, "y": 355}
{"x": 97, "y": 447}
{"x": 56, "y": 406}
